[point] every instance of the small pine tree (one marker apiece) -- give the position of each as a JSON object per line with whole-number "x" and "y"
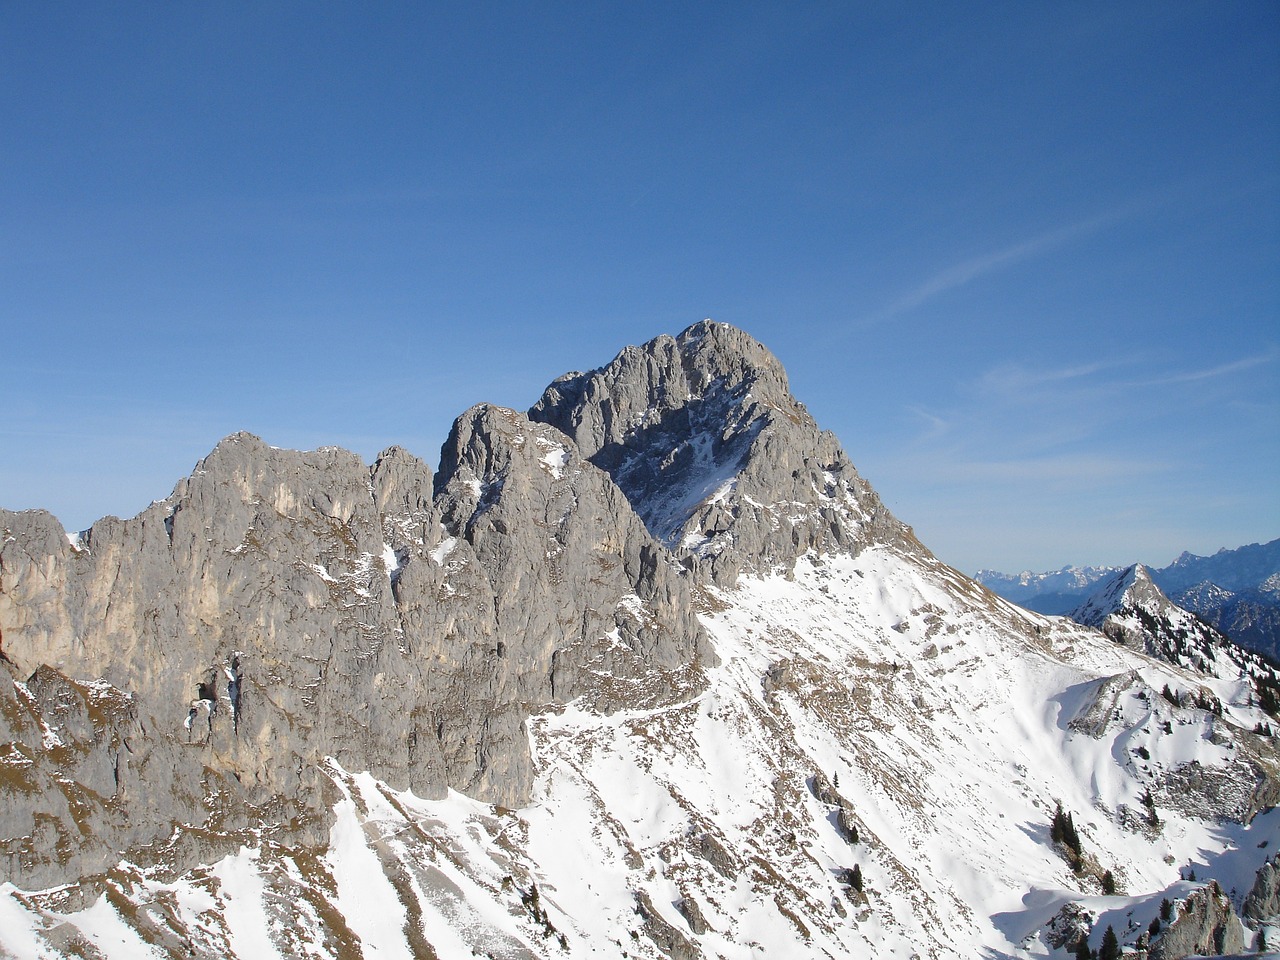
{"x": 1155, "y": 926}
{"x": 1149, "y": 802}
{"x": 1058, "y": 825}
{"x": 1108, "y": 884}
{"x": 1082, "y": 950}
{"x": 835, "y": 781}
{"x": 1069, "y": 835}
{"x": 1166, "y": 909}
{"x": 855, "y": 878}
{"x": 1110, "y": 949}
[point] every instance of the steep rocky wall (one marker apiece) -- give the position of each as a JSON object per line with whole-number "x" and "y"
{"x": 282, "y": 607}
{"x": 1205, "y": 924}
{"x": 701, "y": 433}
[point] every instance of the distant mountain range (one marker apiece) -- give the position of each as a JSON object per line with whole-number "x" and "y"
{"x": 1236, "y": 591}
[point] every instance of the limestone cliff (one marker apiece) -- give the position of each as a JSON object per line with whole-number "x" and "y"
{"x": 722, "y": 463}
{"x": 282, "y": 607}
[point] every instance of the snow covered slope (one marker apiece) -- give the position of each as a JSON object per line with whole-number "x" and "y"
{"x": 1130, "y": 609}
{"x": 866, "y": 761}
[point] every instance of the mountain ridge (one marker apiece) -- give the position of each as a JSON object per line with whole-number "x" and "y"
{"x": 1234, "y": 590}
{"x": 647, "y": 671}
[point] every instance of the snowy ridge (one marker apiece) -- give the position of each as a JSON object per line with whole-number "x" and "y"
{"x": 721, "y": 825}
{"x": 1130, "y": 609}
{"x": 720, "y": 704}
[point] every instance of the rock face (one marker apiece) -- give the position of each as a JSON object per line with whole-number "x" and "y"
{"x": 1206, "y": 925}
{"x": 282, "y": 607}
{"x": 649, "y": 670}
{"x": 1263, "y": 902}
{"x": 724, "y": 466}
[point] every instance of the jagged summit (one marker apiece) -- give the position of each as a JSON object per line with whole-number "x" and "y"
{"x": 648, "y": 671}
{"x": 723, "y": 464}
{"x": 1132, "y": 587}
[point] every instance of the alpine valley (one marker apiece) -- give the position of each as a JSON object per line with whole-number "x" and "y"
{"x": 648, "y": 671}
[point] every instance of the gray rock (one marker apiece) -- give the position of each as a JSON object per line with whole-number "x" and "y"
{"x": 549, "y": 581}
{"x": 692, "y": 913}
{"x": 664, "y": 936}
{"x": 1263, "y": 901}
{"x": 1205, "y": 924}
{"x": 282, "y": 607}
{"x": 1069, "y": 926}
{"x": 720, "y": 461}
{"x": 714, "y": 852}
{"x": 823, "y": 790}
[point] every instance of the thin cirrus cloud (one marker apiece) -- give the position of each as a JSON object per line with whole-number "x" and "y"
{"x": 990, "y": 263}
{"x": 1019, "y": 382}
{"x": 1210, "y": 373}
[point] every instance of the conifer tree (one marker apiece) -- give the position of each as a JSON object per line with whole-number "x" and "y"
{"x": 1082, "y": 950}
{"x": 1058, "y": 825}
{"x": 1110, "y": 949}
{"x": 1069, "y": 835}
{"x": 855, "y": 878}
{"x": 1108, "y": 884}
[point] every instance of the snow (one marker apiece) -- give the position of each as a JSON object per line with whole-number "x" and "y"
{"x": 19, "y": 929}
{"x": 322, "y": 572}
{"x": 442, "y": 550}
{"x": 390, "y": 562}
{"x": 365, "y": 896}
{"x": 555, "y": 458}
{"x": 242, "y": 895}
{"x": 114, "y": 938}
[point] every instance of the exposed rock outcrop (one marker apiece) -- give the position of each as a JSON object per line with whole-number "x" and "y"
{"x": 1263, "y": 901}
{"x": 282, "y": 607}
{"x": 1205, "y": 924}
{"x": 723, "y": 465}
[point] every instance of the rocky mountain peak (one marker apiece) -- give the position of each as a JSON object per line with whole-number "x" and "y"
{"x": 1130, "y": 588}
{"x": 721, "y": 462}
{"x": 242, "y": 723}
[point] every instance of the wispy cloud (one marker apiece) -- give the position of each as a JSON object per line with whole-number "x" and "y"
{"x": 935, "y": 426}
{"x": 1018, "y": 380}
{"x": 988, "y": 263}
{"x": 1208, "y": 373}
{"x": 1020, "y": 383}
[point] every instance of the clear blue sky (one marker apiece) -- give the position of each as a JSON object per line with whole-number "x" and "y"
{"x": 1023, "y": 258}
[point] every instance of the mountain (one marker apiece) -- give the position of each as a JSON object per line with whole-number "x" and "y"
{"x": 1236, "y": 591}
{"x": 1130, "y": 609}
{"x": 648, "y": 671}
{"x": 1055, "y": 592}
{"x": 1239, "y": 569}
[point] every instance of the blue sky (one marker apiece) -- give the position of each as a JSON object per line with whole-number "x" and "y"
{"x": 1023, "y": 259}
